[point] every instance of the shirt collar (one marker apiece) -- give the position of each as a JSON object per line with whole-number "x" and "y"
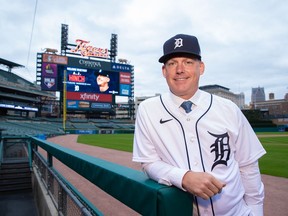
{"x": 178, "y": 101}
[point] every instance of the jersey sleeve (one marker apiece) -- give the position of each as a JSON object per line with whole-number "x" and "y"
{"x": 143, "y": 148}
{"x": 248, "y": 147}
{"x": 254, "y": 188}
{"x": 165, "y": 173}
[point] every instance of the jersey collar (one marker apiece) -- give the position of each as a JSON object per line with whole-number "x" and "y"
{"x": 178, "y": 101}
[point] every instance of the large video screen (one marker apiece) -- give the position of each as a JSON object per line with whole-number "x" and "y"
{"x": 88, "y": 80}
{"x": 96, "y": 81}
{"x": 93, "y": 88}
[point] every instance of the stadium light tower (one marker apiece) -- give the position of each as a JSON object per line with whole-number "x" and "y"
{"x": 113, "y": 47}
{"x": 64, "y": 38}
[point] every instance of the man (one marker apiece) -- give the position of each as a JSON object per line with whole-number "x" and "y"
{"x": 207, "y": 147}
{"x": 103, "y": 80}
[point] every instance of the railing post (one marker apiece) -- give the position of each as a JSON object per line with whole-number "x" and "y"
{"x": 49, "y": 159}
{"x": 30, "y": 152}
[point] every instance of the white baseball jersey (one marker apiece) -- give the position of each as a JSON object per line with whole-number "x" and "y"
{"x": 214, "y": 137}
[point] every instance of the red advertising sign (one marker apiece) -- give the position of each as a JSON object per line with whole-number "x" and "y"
{"x": 85, "y": 96}
{"x": 125, "y": 78}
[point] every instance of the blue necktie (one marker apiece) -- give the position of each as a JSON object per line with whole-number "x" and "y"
{"x": 186, "y": 105}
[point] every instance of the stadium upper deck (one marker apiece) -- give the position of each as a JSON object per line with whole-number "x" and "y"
{"x": 17, "y": 95}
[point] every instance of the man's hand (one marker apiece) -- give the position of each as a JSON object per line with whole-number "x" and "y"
{"x": 202, "y": 184}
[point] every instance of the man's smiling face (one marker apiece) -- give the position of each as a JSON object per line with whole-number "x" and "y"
{"x": 182, "y": 75}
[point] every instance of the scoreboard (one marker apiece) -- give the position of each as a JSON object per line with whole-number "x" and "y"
{"x": 82, "y": 79}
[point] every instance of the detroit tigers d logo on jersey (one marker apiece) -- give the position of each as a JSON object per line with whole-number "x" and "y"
{"x": 220, "y": 148}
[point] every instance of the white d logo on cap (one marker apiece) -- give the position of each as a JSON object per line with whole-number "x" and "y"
{"x": 178, "y": 42}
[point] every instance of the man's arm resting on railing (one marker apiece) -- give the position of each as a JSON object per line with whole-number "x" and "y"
{"x": 198, "y": 183}
{"x": 164, "y": 173}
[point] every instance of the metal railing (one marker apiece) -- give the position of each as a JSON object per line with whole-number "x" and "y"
{"x": 64, "y": 198}
{"x": 133, "y": 188}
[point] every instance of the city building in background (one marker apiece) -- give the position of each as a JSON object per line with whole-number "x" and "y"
{"x": 275, "y": 109}
{"x": 238, "y": 99}
{"x": 258, "y": 94}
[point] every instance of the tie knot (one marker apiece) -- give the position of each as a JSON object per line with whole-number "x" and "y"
{"x": 186, "y": 105}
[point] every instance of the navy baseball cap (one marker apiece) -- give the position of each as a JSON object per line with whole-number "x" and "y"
{"x": 181, "y": 45}
{"x": 102, "y": 73}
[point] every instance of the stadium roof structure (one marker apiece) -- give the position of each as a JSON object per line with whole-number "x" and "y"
{"x": 9, "y": 64}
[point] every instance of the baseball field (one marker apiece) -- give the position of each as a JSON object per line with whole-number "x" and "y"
{"x": 274, "y": 163}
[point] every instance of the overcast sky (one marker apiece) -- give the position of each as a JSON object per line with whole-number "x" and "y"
{"x": 244, "y": 43}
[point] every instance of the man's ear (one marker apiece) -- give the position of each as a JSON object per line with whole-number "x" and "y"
{"x": 202, "y": 68}
{"x": 164, "y": 71}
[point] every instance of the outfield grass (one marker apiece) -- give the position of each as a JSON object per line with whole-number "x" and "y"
{"x": 122, "y": 142}
{"x": 274, "y": 163}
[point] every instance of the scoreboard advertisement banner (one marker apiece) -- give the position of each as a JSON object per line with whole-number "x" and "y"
{"x": 49, "y": 77}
